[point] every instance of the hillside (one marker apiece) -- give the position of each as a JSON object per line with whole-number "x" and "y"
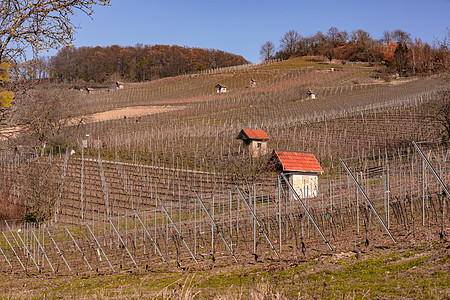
{"x": 135, "y": 64}
{"x": 158, "y": 187}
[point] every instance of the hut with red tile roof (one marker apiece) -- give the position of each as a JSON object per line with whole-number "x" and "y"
{"x": 301, "y": 169}
{"x": 254, "y": 141}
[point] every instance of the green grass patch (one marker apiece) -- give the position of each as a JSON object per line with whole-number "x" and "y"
{"x": 394, "y": 273}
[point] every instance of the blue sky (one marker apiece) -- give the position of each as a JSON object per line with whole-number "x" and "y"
{"x": 242, "y": 26}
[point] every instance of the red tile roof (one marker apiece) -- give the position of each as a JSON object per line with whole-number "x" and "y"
{"x": 253, "y": 134}
{"x": 292, "y": 161}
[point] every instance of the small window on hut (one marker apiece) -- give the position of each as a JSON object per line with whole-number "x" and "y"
{"x": 259, "y": 145}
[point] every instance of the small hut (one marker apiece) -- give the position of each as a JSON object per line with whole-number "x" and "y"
{"x": 254, "y": 141}
{"x": 221, "y": 88}
{"x": 85, "y": 142}
{"x": 252, "y": 83}
{"x": 301, "y": 170}
{"x": 311, "y": 94}
{"x": 119, "y": 85}
{"x": 97, "y": 142}
{"x": 89, "y": 141}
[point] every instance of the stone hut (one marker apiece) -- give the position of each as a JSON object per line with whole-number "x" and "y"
{"x": 254, "y": 141}
{"x": 221, "y": 88}
{"x": 301, "y": 170}
{"x": 311, "y": 94}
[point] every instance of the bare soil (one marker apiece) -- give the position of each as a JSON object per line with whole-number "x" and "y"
{"x": 130, "y": 112}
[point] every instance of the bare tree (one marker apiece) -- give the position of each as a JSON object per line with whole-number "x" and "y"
{"x": 401, "y": 36}
{"x": 34, "y": 69}
{"x": 398, "y": 36}
{"x": 387, "y": 37}
{"x": 289, "y": 43}
{"x": 361, "y": 37}
{"x": 438, "y": 112}
{"x": 38, "y": 24}
{"x": 48, "y": 117}
{"x": 39, "y": 190}
{"x": 267, "y": 50}
{"x": 443, "y": 53}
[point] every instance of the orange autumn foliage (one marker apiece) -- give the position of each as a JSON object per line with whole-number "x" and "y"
{"x": 388, "y": 49}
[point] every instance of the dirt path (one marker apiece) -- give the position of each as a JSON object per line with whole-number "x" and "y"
{"x": 129, "y": 112}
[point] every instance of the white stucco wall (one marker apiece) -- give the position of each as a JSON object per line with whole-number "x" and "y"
{"x": 306, "y": 186}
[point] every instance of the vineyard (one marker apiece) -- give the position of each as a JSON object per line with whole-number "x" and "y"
{"x": 175, "y": 189}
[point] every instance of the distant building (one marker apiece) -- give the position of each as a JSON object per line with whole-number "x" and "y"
{"x": 221, "y": 88}
{"x": 86, "y": 90}
{"x": 254, "y": 141}
{"x": 252, "y": 83}
{"x": 311, "y": 94}
{"x": 92, "y": 142}
{"x": 301, "y": 169}
{"x": 119, "y": 85}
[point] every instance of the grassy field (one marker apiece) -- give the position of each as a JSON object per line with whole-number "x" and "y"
{"x": 407, "y": 270}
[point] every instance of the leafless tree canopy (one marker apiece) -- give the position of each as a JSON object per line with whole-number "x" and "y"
{"x": 289, "y": 42}
{"x": 267, "y": 50}
{"x": 47, "y": 116}
{"x": 39, "y": 190}
{"x": 336, "y": 37}
{"x": 438, "y": 111}
{"x": 38, "y": 24}
{"x": 361, "y": 37}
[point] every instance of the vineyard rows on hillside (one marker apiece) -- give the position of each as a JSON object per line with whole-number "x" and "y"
{"x": 176, "y": 188}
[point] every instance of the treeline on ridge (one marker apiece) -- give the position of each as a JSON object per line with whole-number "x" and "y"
{"x": 396, "y": 49}
{"x": 138, "y": 63}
